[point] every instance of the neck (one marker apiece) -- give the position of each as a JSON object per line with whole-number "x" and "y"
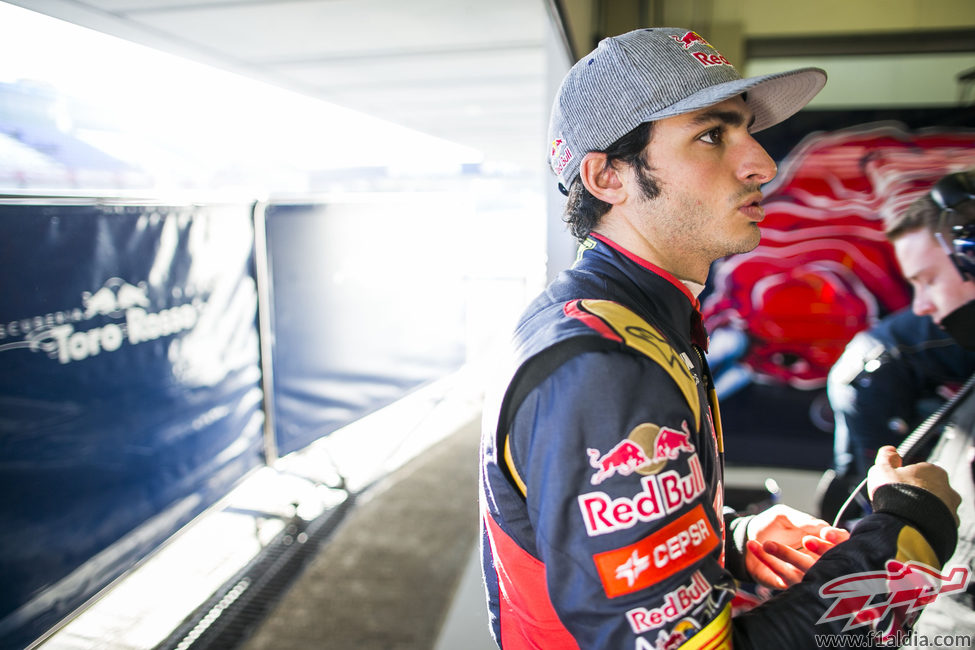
{"x": 637, "y": 242}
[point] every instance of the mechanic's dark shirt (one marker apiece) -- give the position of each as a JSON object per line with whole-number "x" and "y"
{"x": 887, "y": 382}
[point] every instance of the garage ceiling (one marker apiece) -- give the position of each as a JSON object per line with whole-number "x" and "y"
{"x": 468, "y": 71}
{"x": 475, "y": 72}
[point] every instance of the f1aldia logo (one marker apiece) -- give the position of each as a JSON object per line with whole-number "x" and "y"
{"x": 901, "y": 590}
{"x": 58, "y": 336}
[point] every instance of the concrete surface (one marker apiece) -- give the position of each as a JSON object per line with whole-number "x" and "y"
{"x": 386, "y": 579}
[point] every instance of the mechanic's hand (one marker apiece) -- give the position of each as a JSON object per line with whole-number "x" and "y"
{"x": 784, "y": 542}
{"x": 889, "y": 468}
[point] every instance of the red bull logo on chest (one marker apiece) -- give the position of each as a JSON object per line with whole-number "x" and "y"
{"x": 660, "y": 496}
{"x": 646, "y": 451}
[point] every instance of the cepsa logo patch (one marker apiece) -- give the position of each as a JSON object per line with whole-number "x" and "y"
{"x": 656, "y": 557}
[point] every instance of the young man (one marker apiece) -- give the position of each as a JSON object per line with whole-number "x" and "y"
{"x": 601, "y": 470}
{"x": 934, "y": 241}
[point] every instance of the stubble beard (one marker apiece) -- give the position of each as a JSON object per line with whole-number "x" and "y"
{"x": 689, "y": 228}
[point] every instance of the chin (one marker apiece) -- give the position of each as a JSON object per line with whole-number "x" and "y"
{"x": 749, "y": 243}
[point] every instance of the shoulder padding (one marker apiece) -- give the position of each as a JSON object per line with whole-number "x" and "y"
{"x": 610, "y": 327}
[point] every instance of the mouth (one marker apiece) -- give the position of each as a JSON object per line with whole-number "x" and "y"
{"x": 752, "y": 207}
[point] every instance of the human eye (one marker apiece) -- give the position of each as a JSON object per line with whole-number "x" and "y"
{"x": 713, "y": 135}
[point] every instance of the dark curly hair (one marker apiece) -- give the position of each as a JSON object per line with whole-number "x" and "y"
{"x": 583, "y": 210}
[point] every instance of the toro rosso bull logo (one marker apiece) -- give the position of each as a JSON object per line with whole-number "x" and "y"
{"x": 866, "y": 598}
{"x": 115, "y": 297}
{"x": 690, "y": 38}
{"x": 630, "y": 456}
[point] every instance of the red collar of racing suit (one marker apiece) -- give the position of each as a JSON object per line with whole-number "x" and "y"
{"x": 699, "y": 334}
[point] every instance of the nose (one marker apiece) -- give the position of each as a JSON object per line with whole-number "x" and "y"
{"x": 921, "y": 304}
{"x": 757, "y": 167}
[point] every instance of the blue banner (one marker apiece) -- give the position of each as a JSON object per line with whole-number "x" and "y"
{"x": 130, "y": 396}
{"x": 368, "y": 302}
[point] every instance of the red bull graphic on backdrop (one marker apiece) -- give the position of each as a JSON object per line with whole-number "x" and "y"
{"x": 629, "y": 455}
{"x": 824, "y": 270}
{"x": 892, "y": 597}
{"x": 67, "y": 336}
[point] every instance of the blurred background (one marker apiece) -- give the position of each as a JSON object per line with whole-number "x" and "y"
{"x": 258, "y": 256}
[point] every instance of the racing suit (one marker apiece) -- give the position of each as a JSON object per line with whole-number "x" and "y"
{"x": 601, "y": 482}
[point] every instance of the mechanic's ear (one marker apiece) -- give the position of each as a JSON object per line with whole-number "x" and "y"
{"x": 601, "y": 179}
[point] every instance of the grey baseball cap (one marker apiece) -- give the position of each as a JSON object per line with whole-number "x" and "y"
{"x": 650, "y": 74}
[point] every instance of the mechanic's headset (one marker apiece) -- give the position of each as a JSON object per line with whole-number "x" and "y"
{"x": 948, "y": 194}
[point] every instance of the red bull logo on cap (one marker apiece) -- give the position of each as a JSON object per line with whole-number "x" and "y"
{"x": 690, "y": 38}
{"x": 706, "y": 59}
{"x": 560, "y": 155}
{"x": 646, "y": 451}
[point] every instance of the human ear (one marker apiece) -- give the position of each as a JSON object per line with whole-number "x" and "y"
{"x": 601, "y": 179}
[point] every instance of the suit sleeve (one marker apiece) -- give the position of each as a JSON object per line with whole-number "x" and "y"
{"x": 621, "y": 493}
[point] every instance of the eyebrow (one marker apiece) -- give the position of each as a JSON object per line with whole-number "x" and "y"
{"x": 731, "y": 118}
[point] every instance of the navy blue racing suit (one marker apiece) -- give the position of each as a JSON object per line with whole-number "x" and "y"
{"x": 602, "y": 483}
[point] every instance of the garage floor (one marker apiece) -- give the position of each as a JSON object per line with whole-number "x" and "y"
{"x": 387, "y": 577}
{"x": 401, "y": 571}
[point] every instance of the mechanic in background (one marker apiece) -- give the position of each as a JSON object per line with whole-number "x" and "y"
{"x": 934, "y": 241}
{"x": 889, "y": 379}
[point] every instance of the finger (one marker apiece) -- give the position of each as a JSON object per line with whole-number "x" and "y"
{"x": 816, "y": 545}
{"x": 798, "y": 558}
{"x": 887, "y": 456}
{"x": 815, "y": 528}
{"x": 759, "y": 568}
{"x": 776, "y": 571}
{"x": 834, "y": 535}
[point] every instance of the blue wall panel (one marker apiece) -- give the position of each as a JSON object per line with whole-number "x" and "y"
{"x": 368, "y": 302}
{"x": 130, "y": 394}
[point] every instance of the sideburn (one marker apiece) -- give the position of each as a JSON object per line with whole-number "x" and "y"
{"x": 649, "y": 184}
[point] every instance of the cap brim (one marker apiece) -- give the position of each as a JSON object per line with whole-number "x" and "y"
{"x": 772, "y": 97}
